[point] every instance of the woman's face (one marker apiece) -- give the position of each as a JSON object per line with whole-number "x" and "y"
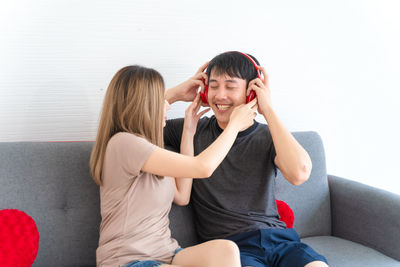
{"x": 166, "y": 108}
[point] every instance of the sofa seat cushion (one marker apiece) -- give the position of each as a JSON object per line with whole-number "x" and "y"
{"x": 344, "y": 253}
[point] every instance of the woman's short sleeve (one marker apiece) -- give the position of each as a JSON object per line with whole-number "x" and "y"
{"x": 131, "y": 151}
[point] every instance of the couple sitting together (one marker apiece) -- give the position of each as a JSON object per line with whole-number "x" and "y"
{"x": 226, "y": 167}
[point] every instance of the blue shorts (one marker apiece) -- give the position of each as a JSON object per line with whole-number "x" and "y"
{"x": 274, "y": 247}
{"x": 149, "y": 263}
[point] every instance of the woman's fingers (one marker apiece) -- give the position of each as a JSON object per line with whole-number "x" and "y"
{"x": 195, "y": 105}
{"x": 203, "y": 67}
{"x": 252, "y": 103}
{"x": 254, "y": 109}
{"x": 203, "y": 112}
{"x": 198, "y": 103}
{"x": 195, "y": 100}
{"x": 200, "y": 76}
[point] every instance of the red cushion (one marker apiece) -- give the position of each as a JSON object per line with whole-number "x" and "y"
{"x": 285, "y": 213}
{"x": 19, "y": 238}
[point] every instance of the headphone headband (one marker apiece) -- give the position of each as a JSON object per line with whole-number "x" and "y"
{"x": 254, "y": 63}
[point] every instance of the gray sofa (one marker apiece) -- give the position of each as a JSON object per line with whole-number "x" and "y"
{"x": 350, "y": 223}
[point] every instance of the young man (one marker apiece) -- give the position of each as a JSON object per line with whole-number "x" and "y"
{"x": 238, "y": 201}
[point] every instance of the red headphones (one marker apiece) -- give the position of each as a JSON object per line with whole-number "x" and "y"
{"x": 251, "y": 96}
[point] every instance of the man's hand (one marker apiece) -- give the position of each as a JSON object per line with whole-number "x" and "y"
{"x": 261, "y": 87}
{"x": 187, "y": 90}
{"x": 291, "y": 158}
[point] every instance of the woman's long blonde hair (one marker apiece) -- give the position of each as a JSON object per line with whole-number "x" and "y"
{"x": 134, "y": 103}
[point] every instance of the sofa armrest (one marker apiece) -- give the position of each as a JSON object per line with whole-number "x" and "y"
{"x": 365, "y": 215}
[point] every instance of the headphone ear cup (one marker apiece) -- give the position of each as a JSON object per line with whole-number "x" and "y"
{"x": 251, "y": 96}
{"x": 203, "y": 96}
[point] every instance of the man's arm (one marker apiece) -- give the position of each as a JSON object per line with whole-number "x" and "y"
{"x": 187, "y": 90}
{"x": 291, "y": 158}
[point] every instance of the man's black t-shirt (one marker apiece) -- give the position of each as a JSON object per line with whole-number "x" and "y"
{"x": 239, "y": 196}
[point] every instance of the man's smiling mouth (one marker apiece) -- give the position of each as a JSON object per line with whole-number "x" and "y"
{"x": 223, "y": 107}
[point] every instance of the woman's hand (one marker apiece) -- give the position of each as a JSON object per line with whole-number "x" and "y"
{"x": 242, "y": 116}
{"x": 192, "y": 116}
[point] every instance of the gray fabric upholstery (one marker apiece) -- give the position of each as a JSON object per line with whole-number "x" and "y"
{"x": 181, "y": 223}
{"x": 182, "y": 226}
{"x": 366, "y": 215}
{"x": 310, "y": 201}
{"x": 344, "y": 253}
{"x": 51, "y": 182}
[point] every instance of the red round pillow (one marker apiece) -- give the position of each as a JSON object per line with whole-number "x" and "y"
{"x": 19, "y": 238}
{"x": 285, "y": 213}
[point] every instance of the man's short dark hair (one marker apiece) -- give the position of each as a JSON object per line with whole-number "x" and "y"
{"x": 234, "y": 64}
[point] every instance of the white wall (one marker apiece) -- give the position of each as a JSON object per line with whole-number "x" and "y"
{"x": 333, "y": 66}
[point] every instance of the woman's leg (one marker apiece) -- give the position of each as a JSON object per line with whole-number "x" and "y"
{"x": 215, "y": 253}
{"x": 317, "y": 264}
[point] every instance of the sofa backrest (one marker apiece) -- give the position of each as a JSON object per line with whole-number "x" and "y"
{"x": 51, "y": 182}
{"x": 310, "y": 201}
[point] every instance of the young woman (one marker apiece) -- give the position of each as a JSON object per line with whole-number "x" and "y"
{"x": 129, "y": 164}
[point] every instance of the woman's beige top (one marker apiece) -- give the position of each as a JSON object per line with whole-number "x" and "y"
{"x": 134, "y": 206}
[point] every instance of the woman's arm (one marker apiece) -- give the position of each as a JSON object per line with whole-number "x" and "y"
{"x": 166, "y": 163}
{"x": 183, "y": 186}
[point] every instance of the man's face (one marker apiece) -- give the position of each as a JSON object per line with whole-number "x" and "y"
{"x": 224, "y": 94}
